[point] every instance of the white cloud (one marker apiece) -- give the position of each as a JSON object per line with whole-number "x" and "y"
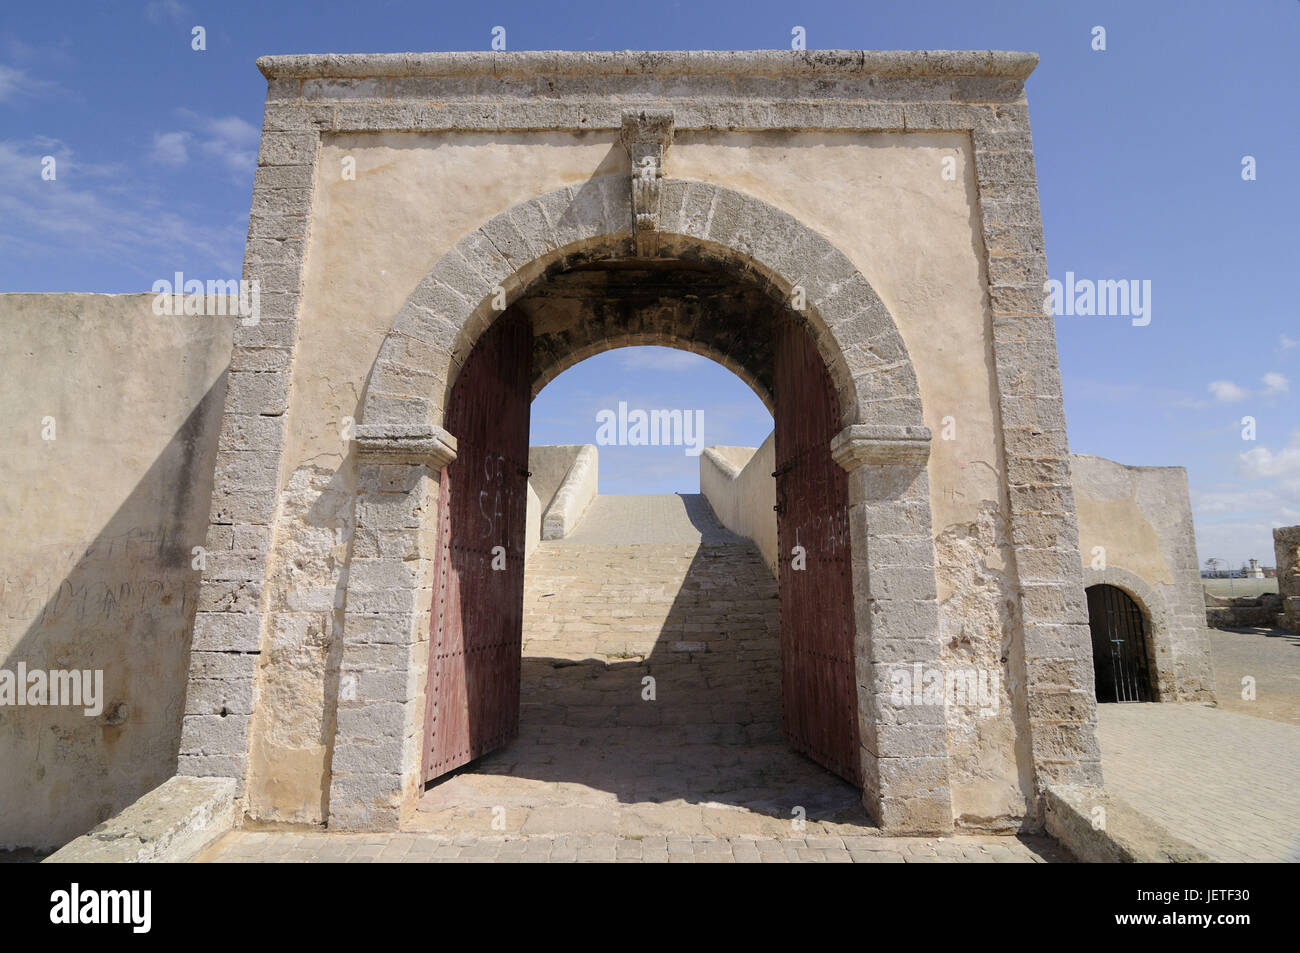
{"x": 1235, "y": 521}
{"x": 1262, "y": 462}
{"x": 160, "y": 10}
{"x": 1275, "y": 384}
{"x": 1287, "y": 343}
{"x": 234, "y": 141}
{"x": 229, "y": 139}
{"x": 171, "y": 148}
{"x": 16, "y": 83}
{"x": 1227, "y": 501}
{"x": 1226, "y": 392}
{"x": 102, "y": 211}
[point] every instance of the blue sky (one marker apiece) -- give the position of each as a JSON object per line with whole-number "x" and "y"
{"x": 1139, "y": 152}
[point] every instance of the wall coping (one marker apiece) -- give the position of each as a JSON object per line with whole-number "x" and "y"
{"x": 906, "y": 63}
{"x": 172, "y": 823}
{"x": 1124, "y": 834}
{"x": 574, "y": 495}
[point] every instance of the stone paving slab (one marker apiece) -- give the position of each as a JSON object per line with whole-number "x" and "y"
{"x": 1224, "y": 782}
{"x": 864, "y": 848}
{"x": 1268, "y": 656}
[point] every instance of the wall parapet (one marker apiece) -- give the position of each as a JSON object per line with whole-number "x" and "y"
{"x": 903, "y": 63}
{"x": 573, "y": 495}
{"x": 738, "y": 483}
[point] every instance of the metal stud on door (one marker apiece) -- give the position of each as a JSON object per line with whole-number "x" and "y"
{"x": 472, "y": 703}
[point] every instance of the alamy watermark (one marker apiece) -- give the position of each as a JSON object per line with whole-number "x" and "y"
{"x": 75, "y": 688}
{"x": 652, "y": 428}
{"x": 190, "y": 297}
{"x": 1123, "y": 297}
{"x": 133, "y": 908}
{"x": 961, "y": 687}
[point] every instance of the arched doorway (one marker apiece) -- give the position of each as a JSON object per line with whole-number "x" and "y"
{"x": 1120, "y": 646}
{"x": 883, "y": 445}
{"x": 472, "y": 698}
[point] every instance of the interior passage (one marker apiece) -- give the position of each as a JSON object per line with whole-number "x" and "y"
{"x": 651, "y": 688}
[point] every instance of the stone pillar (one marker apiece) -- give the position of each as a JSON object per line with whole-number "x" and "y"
{"x": 895, "y": 602}
{"x": 1286, "y": 544}
{"x": 232, "y": 610}
{"x": 375, "y": 767}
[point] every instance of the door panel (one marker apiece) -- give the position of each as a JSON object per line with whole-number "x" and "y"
{"x": 818, "y": 678}
{"x": 472, "y": 703}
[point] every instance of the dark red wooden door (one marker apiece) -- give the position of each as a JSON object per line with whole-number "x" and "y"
{"x": 818, "y": 680}
{"x": 472, "y": 705}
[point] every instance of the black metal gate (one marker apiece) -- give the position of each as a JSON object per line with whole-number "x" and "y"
{"x": 1119, "y": 646}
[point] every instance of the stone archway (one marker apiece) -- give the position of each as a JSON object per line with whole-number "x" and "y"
{"x": 882, "y": 444}
{"x": 458, "y": 299}
{"x": 1155, "y": 612}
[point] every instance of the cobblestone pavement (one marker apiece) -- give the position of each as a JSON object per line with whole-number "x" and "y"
{"x": 868, "y": 847}
{"x": 1225, "y": 782}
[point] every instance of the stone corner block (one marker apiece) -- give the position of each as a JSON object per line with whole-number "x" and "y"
{"x": 881, "y": 445}
{"x": 396, "y": 444}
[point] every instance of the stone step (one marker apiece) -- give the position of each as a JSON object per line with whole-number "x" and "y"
{"x": 700, "y": 618}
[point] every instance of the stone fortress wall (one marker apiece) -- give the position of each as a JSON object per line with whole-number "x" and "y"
{"x": 313, "y": 530}
{"x": 110, "y": 432}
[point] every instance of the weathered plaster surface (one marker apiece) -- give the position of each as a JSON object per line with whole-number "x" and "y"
{"x": 882, "y": 199}
{"x": 96, "y": 558}
{"x": 371, "y": 244}
{"x": 574, "y": 493}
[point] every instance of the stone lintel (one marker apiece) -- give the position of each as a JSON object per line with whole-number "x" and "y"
{"x": 861, "y": 445}
{"x": 381, "y": 444}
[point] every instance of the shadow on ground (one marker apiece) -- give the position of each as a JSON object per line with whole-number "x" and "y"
{"x": 594, "y": 753}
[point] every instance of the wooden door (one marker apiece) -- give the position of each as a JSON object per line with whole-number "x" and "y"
{"x": 818, "y": 677}
{"x": 472, "y": 703}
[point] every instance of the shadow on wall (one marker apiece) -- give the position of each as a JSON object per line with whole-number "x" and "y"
{"x": 125, "y": 606}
